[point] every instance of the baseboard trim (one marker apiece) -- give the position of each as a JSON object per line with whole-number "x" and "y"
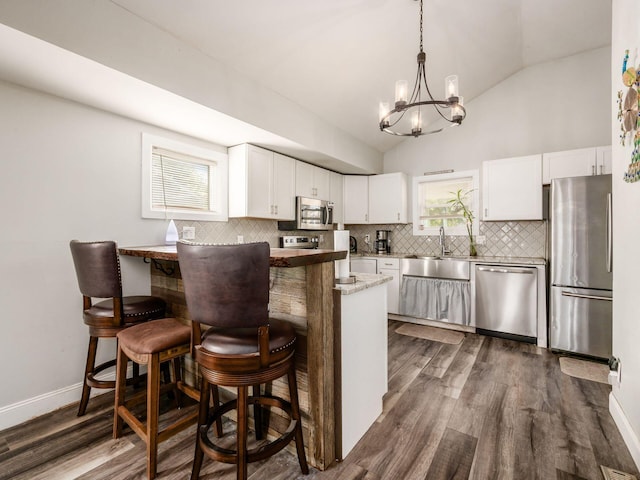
{"x": 628, "y": 435}
{"x": 16, "y": 413}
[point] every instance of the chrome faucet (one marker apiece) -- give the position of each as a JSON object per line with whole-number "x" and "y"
{"x": 443, "y": 247}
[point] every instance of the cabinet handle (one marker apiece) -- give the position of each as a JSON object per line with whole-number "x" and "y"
{"x": 366, "y": 217}
{"x": 398, "y": 216}
{"x": 276, "y": 208}
{"x": 486, "y": 212}
{"x": 601, "y": 169}
{"x": 593, "y": 169}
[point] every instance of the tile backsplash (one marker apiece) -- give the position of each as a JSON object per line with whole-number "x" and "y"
{"x": 514, "y": 239}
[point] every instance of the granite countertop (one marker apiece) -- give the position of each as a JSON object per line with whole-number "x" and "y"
{"x": 499, "y": 260}
{"x": 363, "y": 281}
{"x": 280, "y": 257}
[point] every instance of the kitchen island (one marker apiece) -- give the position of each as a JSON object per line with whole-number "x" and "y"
{"x": 302, "y": 292}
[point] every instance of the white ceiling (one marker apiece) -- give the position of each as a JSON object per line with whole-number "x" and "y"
{"x": 340, "y": 58}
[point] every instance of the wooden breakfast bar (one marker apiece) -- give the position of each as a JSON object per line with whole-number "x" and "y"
{"x": 302, "y": 293}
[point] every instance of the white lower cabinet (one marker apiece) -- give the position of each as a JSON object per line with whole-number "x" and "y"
{"x": 363, "y": 265}
{"x": 391, "y": 267}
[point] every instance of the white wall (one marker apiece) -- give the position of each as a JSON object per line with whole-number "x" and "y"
{"x": 119, "y": 39}
{"x": 68, "y": 171}
{"x": 624, "y": 401}
{"x": 558, "y": 105}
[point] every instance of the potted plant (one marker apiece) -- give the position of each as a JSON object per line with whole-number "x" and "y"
{"x": 457, "y": 205}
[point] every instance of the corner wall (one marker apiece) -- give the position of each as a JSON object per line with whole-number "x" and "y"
{"x": 623, "y": 403}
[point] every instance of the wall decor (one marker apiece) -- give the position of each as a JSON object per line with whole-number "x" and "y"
{"x": 628, "y": 102}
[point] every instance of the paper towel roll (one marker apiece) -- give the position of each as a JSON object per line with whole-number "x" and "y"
{"x": 341, "y": 242}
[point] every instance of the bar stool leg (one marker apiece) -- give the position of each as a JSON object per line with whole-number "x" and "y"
{"x": 215, "y": 394}
{"x": 153, "y": 412}
{"x": 121, "y": 385}
{"x": 257, "y": 413}
{"x": 91, "y": 363}
{"x": 295, "y": 413}
{"x": 205, "y": 390}
{"x": 242, "y": 433}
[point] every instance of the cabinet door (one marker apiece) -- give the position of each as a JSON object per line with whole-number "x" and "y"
{"x": 259, "y": 172}
{"x": 603, "y": 160}
{"x": 322, "y": 183}
{"x": 284, "y": 184}
{"x": 512, "y": 188}
{"x": 356, "y": 199}
{"x": 304, "y": 180}
{"x": 336, "y": 187}
{"x": 571, "y": 163}
{"x": 363, "y": 265}
{"x": 388, "y": 198}
{"x": 393, "y": 290}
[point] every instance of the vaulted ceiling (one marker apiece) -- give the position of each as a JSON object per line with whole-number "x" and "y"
{"x": 340, "y": 58}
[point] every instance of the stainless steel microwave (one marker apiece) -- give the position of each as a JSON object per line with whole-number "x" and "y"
{"x": 311, "y": 214}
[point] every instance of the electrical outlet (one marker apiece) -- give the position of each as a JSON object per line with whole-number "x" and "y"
{"x": 240, "y": 239}
{"x": 189, "y": 233}
{"x": 481, "y": 239}
{"x": 320, "y": 238}
{"x": 367, "y": 238}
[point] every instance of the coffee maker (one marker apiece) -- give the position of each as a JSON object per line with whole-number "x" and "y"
{"x": 383, "y": 243}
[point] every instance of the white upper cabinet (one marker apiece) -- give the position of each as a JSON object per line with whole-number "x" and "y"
{"x": 261, "y": 183}
{"x": 356, "y": 199}
{"x": 512, "y": 188}
{"x": 336, "y": 184}
{"x": 576, "y": 163}
{"x": 388, "y": 198}
{"x": 312, "y": 181}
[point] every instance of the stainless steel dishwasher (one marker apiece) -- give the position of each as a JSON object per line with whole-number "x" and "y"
{"x": 506, "y": 300}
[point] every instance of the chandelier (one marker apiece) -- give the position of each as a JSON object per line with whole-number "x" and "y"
{"x": 451, "y": 109}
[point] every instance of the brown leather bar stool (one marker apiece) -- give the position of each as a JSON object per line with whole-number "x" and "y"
{"x": 227, "y": 289}
{"x": 151, "y": 344}
{"x": 98, "y": 270}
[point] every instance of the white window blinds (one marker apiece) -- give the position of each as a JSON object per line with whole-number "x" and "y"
{"x": 180, "y": 182}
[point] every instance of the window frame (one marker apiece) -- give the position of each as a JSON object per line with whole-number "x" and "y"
{"x": 219, "y": 179}
{"x": 460, "y": 230}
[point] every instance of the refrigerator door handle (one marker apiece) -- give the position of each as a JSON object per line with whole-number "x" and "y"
{"x": 609, "y": 246}
{"x": 588, "y": 297}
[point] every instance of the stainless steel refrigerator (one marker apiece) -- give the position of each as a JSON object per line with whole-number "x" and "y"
{"x": 581, "y": 262}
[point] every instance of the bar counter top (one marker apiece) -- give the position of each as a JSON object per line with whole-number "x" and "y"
{"x": 280, "y": 257}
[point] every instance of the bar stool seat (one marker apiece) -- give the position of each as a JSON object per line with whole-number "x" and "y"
{"x": 137, "y": 308}
{"x": 242, "y": 341}
{"x": 150, "y": 344}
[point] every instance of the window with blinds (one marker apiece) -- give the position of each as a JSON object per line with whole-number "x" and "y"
{"x": 180, "y": 183}
{"x": 183, "y": 182}
{"x": 432, "y": 202}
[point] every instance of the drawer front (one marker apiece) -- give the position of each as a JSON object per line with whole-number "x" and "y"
{"x": 389, "y": 263}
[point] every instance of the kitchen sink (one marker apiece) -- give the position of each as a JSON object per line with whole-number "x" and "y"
{"x": 451, "y": 268}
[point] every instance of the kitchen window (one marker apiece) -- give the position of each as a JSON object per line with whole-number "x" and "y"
{"x": 432, "y": 207}
{"x": 182, "y": 181}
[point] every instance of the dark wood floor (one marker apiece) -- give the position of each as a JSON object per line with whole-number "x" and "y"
{"x": 485, "y": 409}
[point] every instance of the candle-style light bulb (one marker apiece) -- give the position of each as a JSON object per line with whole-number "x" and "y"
{"x": 383, "y": 110}
{"x": 416, "y": 123}
{"x": 451, "y": 86}
{"x": 401, "y": 92}
{"x": 456, "y": 111}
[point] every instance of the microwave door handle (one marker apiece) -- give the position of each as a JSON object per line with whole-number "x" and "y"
{"x": 325, "y": 215}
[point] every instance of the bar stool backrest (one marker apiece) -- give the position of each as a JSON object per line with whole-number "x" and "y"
{"x": 226, "y": 285}
{"x": 97, "y": 268}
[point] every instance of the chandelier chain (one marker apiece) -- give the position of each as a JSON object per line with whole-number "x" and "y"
{"x": 421, "y": 26}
